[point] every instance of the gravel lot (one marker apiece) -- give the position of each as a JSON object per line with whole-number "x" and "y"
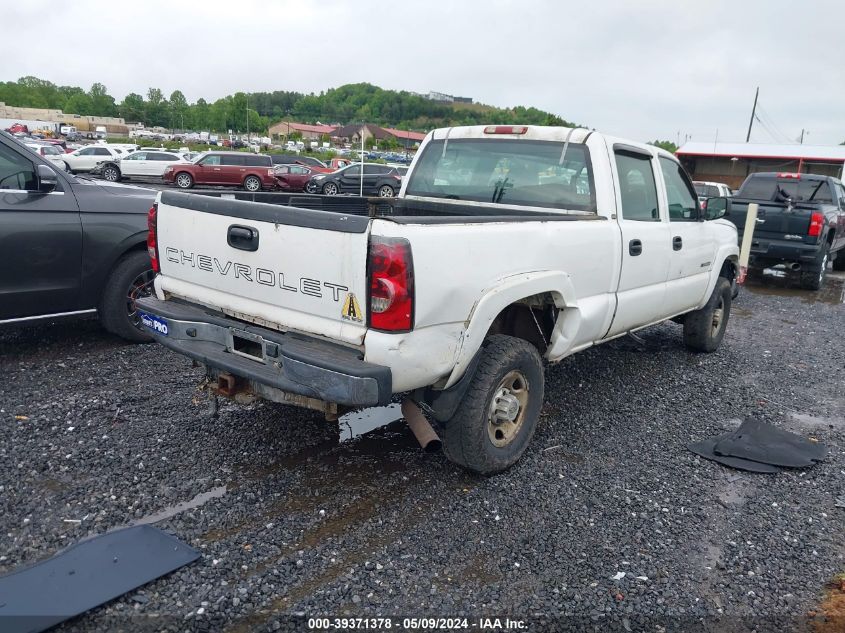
{"x": 297, "y": 520}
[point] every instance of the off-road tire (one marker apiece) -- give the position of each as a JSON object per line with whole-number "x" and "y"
{"x": 813, "y": 279}
{"x": 466, "y": 438}
{"x": 113, "y": 310}
{"x": 701, "y": 331}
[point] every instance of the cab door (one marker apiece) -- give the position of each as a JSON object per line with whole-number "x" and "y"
{"x": 350, "y": 181}
{"x": 693, "y": 242}
{"x": 40, "y": 242}
{"x": 134, "y": 164}
{"x": 645, "y": 241}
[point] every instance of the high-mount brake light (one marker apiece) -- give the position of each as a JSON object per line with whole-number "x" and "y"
{"x": 816, "y": 224}
{"x": 390, "y": 305}
{"x": 506, "y": 129}
{"x": 790, "y": 175}
{"x": 152, "y": 237}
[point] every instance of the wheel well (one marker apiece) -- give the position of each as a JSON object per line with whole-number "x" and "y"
{"x": 830, "y": 235}
{"x": 532, "y": 319}
{"x": 729, "y": 270}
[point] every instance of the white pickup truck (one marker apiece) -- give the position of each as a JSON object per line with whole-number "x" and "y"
{"x": 507, "y": 246}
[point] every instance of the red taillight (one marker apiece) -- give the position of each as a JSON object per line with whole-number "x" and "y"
{"x": 816, "y": 224}
{"x": 792, "y": 176}
{"x": 391, "y": 281}
{"x": 505, "y": 129}
{"x": 152, "y": 238}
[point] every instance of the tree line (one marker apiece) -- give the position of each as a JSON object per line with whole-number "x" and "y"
{"x": 258, "y": 110}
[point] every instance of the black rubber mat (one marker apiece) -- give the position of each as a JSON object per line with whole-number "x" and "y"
{"x": 762, "y": 442}
{"x": 705, "y": 449}
{"x": 87, "y": 575}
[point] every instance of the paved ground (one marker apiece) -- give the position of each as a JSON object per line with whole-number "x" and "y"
{"x": 294, "y": 519}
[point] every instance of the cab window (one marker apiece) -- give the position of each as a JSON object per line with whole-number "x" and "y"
{"x": 683, "y": 202}
{"x": 16, "y": 172}
{"x": 637, "y": 187}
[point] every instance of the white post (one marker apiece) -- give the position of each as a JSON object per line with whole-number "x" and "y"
{"x": 747, "y": 235}
{"x": 361, "y": 192}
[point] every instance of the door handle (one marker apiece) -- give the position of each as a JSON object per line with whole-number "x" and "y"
{"x": 677, "y": 243}
{"x": 216, "y": 169}
{"x": 244, "y": 238}
{"x": 635, "y": 247}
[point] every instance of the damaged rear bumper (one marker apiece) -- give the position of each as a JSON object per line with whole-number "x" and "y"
{"x": 292, "y": 363}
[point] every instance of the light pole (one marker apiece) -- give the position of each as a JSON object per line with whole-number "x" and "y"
{"x": 363, "y": 128}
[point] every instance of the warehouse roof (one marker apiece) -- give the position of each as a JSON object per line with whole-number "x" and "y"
{"x": 763, "y": 150}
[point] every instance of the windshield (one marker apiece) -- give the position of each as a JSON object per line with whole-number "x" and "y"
{"x": 706, "y": 191}
{"x": 768, "y": 188}
{"x": 506, "y": 171}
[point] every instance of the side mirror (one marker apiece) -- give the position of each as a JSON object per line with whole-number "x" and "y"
{"x": 715, "y": 208}
{"x": 47, "y": 179}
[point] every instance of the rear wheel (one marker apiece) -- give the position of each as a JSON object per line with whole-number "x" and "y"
{"x": 131, "y": 279}
{"x": 495, "y": 421}
{"x": 252, "y": 183}
{"x": 813, "y": 279}
{"x": 704, "y": 329}
{"x": 310, "y": 187}
{"x": 111, "y": 173}
{"x": 385, "y": 191}
{"x": 184, "y": 180}
{"x": 330, "y": 189}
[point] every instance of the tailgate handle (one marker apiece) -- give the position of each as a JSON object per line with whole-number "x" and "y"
{"x": 244, "y": 238}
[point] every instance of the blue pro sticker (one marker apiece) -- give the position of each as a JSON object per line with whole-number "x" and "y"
{"x": 156, "y": 324}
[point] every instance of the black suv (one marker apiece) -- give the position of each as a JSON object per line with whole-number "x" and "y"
{"x": 379, "y": 180}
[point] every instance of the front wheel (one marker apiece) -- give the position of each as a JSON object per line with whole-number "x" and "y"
{"x": 130, "y": 280}
{"x": 330, "y": 189}
{"x": 704, "y": 329}
{"x": 184, "y": 180}
{"x": 495, "y": 421}
{"x": 385, "y": 191}
{"x": 252, "y": 183}
{"x": 111, "y": 173}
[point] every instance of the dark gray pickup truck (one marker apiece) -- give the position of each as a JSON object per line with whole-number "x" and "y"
{"x": 69, "y": 245}
{"x": 800, "y": 223}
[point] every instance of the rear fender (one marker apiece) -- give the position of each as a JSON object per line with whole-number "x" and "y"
{"x": 507, "y": 291}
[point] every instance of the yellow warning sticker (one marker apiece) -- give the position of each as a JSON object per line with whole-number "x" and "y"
{"x": 351, "y": 310}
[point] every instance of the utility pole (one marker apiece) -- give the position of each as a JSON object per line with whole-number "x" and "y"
{"x": 247, "y": 116}
{"x": 802, "y": 136}
{"x": 753, "y": 112}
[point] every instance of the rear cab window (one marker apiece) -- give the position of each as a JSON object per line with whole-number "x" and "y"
{"x": 772, "y": 188}
{"x": 506, "y": 171}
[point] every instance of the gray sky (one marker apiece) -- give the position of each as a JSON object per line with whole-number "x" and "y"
{"x": 642, "y": 69}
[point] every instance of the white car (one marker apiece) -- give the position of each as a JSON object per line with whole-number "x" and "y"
{"x": 87, "y": 158}
{"x": 51, "y": 152}
{"x": 143, "y": 164}
{"x": 507, "y": 246}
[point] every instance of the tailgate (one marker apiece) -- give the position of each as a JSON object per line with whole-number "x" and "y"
{"x": 774, "y": 220}
{"x": 281, "y": 267}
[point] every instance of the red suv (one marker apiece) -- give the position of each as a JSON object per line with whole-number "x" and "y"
{"x": 253, "y": 172}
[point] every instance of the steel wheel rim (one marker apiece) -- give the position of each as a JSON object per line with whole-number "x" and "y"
{"x": 506, "y": 413}
{"x": 718, "y": 317}
{"x": 141, "y": 286}
{"x": 252, "y": 184}
{"x": 183, "y": 181}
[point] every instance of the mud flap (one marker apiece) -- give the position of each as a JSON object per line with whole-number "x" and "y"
{"x": 443, "y": 403}
{"x": 87, "y": 575}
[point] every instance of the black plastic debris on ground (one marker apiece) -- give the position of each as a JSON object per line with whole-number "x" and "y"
{"x": 761, "y": 448}
{"x": 87, "y": 575}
